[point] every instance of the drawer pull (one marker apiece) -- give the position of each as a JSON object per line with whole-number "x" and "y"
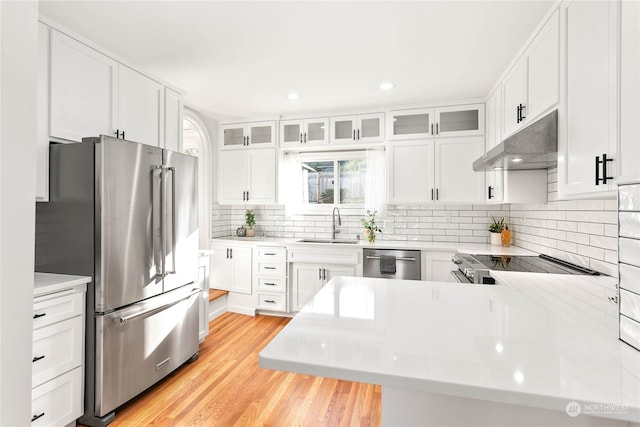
{"x": 35, "y": 417}
{"x": 270, "y": 301}
{"x": 269, "y": 284}
{"x": 35, "y": 359}
{"x": 269, "y": 268}
{"x": 39, "y": 315}
{"x": 270, "y": 253}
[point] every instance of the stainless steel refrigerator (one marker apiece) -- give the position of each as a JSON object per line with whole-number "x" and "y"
{"x": 125, "y": 214}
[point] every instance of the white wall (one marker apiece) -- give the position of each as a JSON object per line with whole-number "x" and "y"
{"x": 18, "y": 39}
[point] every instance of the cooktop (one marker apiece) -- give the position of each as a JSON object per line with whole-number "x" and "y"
{"x": 531, "y": 264}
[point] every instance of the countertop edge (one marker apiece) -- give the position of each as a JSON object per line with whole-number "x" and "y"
{"x": 48, "y": 283}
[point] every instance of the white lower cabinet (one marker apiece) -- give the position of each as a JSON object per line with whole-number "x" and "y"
{"x": 58, "y": 358}
{"x": 308, "y": 279}
{"x": 232, "y": 268}
{"x": 437, "y": 266}
{"x": 270, "y": 269}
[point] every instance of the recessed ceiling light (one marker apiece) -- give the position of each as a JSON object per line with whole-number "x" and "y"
{"x": 387, "y": 86}
{"x": 293, "y": 96}
{"x": 516, "y": 160}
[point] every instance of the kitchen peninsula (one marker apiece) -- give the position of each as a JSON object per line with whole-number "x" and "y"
{"x": 517, "y": 353}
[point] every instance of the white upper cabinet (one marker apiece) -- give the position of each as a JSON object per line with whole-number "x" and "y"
{"x": 140, "y": 108}
{"x": 629, "y": 90}
{"x": 587, "y": 127}
{"x": 360, "y": 129}
{"x": 91, "y": 94}
{"x": 435, "y": 171}
{"x": 493, "y": 113}
{"x": 247, "y": 176}
{"x": 530, "y": 88}
{"x": 173, "y": 115}
{"x": 459, "y": 120}
{"x": 83, "y": 90}
{"x": 257, "y": 134}
{"x": 302, "y": 133}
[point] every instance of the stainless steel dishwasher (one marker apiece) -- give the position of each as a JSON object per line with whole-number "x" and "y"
{"x": 391, "y": 264}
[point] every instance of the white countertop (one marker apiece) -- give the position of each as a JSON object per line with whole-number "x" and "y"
{"x": 470, "y": 248}
{"x": 519, "y": 343}
{"x": 47, "y": 283}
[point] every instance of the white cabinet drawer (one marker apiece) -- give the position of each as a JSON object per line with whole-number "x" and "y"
{"x": 272, "y": 269}
{"x": 275, "y": 284}
{"x": 274, "y": 302}
{"x": 53, "y": 308}
{"x": 56, "y": 349}
{"x": 59, "y": 401}
{"x": 269, "y": 253}
{"x": 319, "y": 257}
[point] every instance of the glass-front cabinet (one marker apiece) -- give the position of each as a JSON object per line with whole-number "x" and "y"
{"x": 257, "y": 134}
{"x": 363, "y": 128}
{"x": 300, "y": 133}
{"x": 458, "y": 120}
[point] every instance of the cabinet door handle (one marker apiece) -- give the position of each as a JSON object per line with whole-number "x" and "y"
{"x": 490, "y": 196}
{"x": 518, "y": 114}
{"x": 358, "y": 139}
{"x": 522, "y": 109}
{"x": 319, "y": 274}
{"x": 437, "y": 194}
{"x": 432, "y": 194}
{"x": 431, "y": 128}
{"x": 227, "y": 253}
{"x": 602, "y": 162}
{"x": 231, "y": 253}
{"x": 35, "y": 359}
{"x": 324, "y": 274}
{"x": 437, "y": 128}
{"x": 354, "y": 134}
{"x": 39, "y": 315}
{"x": 305, "y": 137}
{"x": 35, "y": 417}
{"x": 247, "y": 196}
{"x": 248, "y": 140}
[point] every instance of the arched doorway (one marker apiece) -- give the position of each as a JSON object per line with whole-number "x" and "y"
{"x": 196, "y": 143}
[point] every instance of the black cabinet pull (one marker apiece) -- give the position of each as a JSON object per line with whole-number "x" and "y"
{"x": 354, "y": 134}
{"x": 269, "y": 284}
{"x": 270, "y": 301}
{"x": 269, "y": 268}
{"x": 35, "y": 359}
{"x": 305, "y": 137}
{"x": 358, "y": 135}
{"x": 431, "y": 128}
{"x": 518, "y": 114}
{"x": 437, "y": 194}
{"x": 522, "y": 109}
{"x": 490, "y": 196}
{"x": 35, "y": 417}
{"x": 432, "y": 194}
{"x": 248, "y": 140}
{"x": 324, "y": 274}
{"x": 301, "y": 140}
{"x": 319, "y": 274}
{"x": 39, "y": 315}
{"x": 227, "y": 253}
{"x": 247, "y": 196}
{"x": 437, "y": 128}
{"x": 123, "y": 135}
{"x": 231, "y": 253}
{"x": 602, "y": 162}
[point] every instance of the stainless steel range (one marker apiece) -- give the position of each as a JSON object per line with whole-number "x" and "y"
{"x": 477, "y": 268}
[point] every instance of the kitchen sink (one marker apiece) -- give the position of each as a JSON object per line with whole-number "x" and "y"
{"x": 342, "y": 241}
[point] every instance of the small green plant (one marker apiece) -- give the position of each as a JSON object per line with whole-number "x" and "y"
{"x": 497, "y": 224}
{"x": 370, "y": 226}
{"x": 250, "y": 218}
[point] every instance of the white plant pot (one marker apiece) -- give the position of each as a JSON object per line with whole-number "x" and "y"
{"x": 496, "y": 239}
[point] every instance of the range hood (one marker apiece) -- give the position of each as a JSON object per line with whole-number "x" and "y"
{"x": 534, "y": 147}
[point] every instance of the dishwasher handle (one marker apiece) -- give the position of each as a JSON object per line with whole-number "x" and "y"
{"x": 401, "y": 258}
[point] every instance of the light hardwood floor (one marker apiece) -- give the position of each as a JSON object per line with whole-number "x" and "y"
{"x": 227, "y": 387}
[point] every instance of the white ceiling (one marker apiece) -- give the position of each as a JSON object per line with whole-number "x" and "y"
{"x": 240, "y": 59}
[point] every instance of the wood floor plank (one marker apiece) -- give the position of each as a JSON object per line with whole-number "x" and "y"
{"x": 227, "y": 387}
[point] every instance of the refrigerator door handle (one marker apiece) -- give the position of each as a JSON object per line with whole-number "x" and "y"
{"x": 163, "y": 238}
{"x": 154, "y": 310}
{"x": 173, "y": 221}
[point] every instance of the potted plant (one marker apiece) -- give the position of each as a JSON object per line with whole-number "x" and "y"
{"x": 370, "y": 226}
{"x": 495, "y": 228}
{"x": 250, "y": 220}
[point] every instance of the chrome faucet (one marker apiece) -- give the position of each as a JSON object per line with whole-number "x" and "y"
{"x": 335, "y": 230}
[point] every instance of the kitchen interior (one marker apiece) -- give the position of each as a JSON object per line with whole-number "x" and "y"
{"x": 463, "y": 235}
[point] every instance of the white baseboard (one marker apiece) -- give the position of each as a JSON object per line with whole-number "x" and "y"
{"x": 242, "y": 310}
